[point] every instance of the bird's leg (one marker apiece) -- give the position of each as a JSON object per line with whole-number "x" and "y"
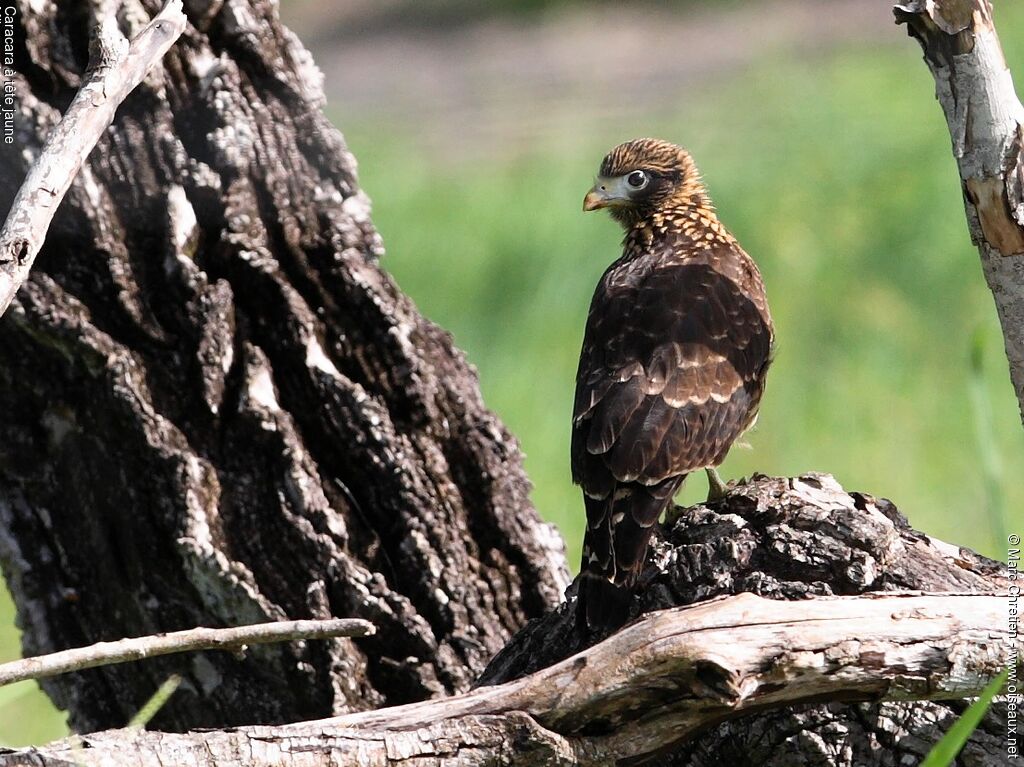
{"x": 672, "y": 511}
{"x": 716, "y": 487}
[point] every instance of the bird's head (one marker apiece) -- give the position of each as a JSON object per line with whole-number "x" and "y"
{"x": 644, "y": 176}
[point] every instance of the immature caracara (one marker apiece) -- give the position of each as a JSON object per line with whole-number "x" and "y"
{"x": 673, "y": 365}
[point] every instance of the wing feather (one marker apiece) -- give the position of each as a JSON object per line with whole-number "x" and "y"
{"x": 641, "y": 438}
{"x": 613, "y": 412}
{"x": 671, "y": 372}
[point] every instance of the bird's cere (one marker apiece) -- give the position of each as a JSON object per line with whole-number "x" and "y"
{"x": 608, "y": 192}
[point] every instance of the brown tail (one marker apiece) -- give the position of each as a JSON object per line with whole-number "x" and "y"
{"x": 619, "y": 529}
{"x": 602, "y": 606}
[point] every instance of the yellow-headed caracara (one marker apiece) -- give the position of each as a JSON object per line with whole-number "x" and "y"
{"x": 675, "y": 353}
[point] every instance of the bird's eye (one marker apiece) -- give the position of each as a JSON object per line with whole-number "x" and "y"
{"x": 637, "y": 179}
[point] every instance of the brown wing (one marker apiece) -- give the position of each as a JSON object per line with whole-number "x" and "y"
{"x": 670, "y": 374}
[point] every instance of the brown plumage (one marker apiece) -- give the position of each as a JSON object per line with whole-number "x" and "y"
{"x": 677, "y": 344}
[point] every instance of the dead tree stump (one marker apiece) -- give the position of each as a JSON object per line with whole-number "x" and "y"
{"x": 793, "y": 539}
{"x": 219, "y": 409}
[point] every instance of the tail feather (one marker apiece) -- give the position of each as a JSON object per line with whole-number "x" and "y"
{"x": 619, "y": 528}
{"x": 602, "y": 606}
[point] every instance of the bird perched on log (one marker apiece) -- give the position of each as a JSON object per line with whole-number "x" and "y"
{"x": 677, "y": 344}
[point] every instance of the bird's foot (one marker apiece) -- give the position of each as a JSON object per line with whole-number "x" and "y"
{"x": 717, "y": 489}
{"x": 673, "y": 512}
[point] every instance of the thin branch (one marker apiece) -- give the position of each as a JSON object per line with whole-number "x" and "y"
{"x": 190, "y": 640}
{"x": 644, "y": 689}
{"x": 115, "y": 69}
{"x": 986, "y": 122}
{"x": 717, "y": 658}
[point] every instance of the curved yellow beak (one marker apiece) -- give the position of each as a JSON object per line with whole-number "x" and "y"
{"x": 606, "y": 193}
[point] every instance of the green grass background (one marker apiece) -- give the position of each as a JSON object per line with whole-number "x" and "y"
{"x": 836, "y": 175}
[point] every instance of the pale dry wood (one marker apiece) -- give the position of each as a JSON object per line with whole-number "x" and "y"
{"x": 985, "y": 118}
{"x": 652, "y": 685}
{"x": 115, "y": 69}
{"x": 189, "y": 640}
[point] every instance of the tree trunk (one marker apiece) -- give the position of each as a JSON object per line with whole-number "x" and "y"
{"x": 218, "y": 409}
{"x": 796, "y": 539}
{"x": 732, "y": 680}
{"x": 986, "y": 123}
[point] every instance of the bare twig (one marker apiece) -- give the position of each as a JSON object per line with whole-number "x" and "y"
{"x": 651, "y": 685}
{"x": 124, "y": 650}
{"x": 115, "y": 69}
{"x": 986, "y": 123}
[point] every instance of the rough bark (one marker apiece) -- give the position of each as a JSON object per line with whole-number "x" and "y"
{"x": 790, "y": 540}
{"x": 679, "y": 678}
{"x": 219, "y": 410}
{"x": 644, "y": 689}
{"x": 115, "y": 69}
{"x": 986, "y": 123}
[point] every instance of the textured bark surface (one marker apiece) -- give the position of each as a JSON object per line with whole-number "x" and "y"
{"x": 986, "y": 123}
{"x": 880, "y": 734}
{"x": 644, "y": 689}
{"x": 484, "y": 741}
{"x": 687, "y": 671}
{"x": 794, "y": 539}
{"x": 218, "y": 409}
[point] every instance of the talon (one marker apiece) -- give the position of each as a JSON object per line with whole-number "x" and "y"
{"x": 717, "y": 489}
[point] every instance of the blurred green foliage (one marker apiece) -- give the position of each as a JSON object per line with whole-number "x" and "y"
{"x": 840, "y": 182}
{"x": 838, "y": 179}
{"x": 26, "y": 714}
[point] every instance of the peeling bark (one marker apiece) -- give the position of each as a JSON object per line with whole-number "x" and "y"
{"x": 733, "y": 680}
{"x": 986, "y": 122}
{"x": 219, "y": 410}
{"x": 794, "y": 539}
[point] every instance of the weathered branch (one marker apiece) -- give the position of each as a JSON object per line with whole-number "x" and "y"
{"x": 115, "y": 69}
{"x": 190, "y": 640}
{"x": 219, "y": 409}
{"x": 222, "y": 410}
{"x": 986, "y": 122}
{"x": 655, "y": 683}
{"x": 792, "y": 539}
